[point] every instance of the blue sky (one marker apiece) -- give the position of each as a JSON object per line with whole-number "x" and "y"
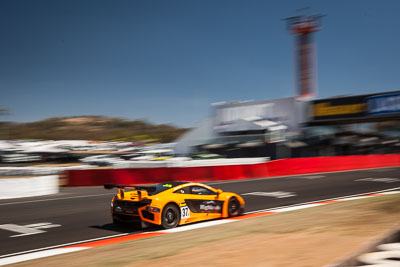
{"x": 167, "y": 60}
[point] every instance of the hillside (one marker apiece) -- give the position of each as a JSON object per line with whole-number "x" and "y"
{"x": 90, "y": 128}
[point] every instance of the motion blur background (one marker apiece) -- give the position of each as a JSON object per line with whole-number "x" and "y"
{"x": 142, "y": 92}
{"x": 247, "y": 78}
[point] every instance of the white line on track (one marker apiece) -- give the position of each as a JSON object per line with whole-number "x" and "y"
{"x": 22, "y": 230}
{"x": 379, "y": 170}
{"x": 39, "y": 254}
{"x": 64, "y": 245}
{"x": 195, "y": 226}
{"x": 52, "y": 199}
{"x": 311, "y": 177}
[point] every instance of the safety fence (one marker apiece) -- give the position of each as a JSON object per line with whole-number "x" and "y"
{"x": 280, "y": 167}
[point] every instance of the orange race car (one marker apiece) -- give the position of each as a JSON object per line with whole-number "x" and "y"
{"x": 174, "y": 203}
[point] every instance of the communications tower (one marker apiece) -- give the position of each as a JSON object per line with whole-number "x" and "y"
{"x": 303, "y": 28}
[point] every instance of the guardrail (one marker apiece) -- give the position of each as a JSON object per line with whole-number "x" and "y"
{"x": 281, "y": 167}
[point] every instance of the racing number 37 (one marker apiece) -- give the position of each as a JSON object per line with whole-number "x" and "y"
{"x": 185, "y": 212}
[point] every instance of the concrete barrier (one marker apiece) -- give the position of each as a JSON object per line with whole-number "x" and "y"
{"x": 28, "y": 187}
{"x": 34, "y": 171}
{"x": 175, "y": 162}
{"x": 281, "y": 167}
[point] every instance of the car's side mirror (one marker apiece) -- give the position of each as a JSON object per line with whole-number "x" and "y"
{"x": 219, "y": 191}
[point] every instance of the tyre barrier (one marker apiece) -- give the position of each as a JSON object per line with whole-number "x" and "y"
{"x": 389, "y": 255}
{"x": 381, "y": 258}
{"x": 282, "y": 167}
{"x": 383, "y": 252}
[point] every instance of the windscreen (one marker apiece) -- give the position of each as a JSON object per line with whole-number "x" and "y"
{"x": 165, "y": 186}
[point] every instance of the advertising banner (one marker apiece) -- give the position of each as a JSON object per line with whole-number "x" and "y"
{"x": 384, "y": 104}
{"x": 285, "y": 111}
{"x": 338, "y": 108}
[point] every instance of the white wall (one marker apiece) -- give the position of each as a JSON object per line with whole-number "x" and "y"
{"x": 28, "y": 187}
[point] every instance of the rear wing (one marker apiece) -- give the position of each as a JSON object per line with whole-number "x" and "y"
{"x": 139, "y": 187}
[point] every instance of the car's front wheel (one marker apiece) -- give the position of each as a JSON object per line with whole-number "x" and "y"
{"x": 170, "y": 216}
{"x": 233, "y": 207}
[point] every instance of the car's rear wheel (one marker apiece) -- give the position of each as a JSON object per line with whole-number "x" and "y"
{"x": 170, "y": 216}
{"x": 233, "y": 207}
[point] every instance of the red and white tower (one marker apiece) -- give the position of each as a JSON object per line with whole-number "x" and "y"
{"x": 303, "y": 27}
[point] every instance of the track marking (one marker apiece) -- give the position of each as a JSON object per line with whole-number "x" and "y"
{"x": 62, "y": 245}
{"x": 380, "y": 170}
{"x": 30, "y": 229}
{"x": 311, "y": 177}
{"x": 379, "y": 180}
{"x": 277, "y": 194}
{"x": 76, "y": 246}
{"x": 42, "y": 225}
{"x": 20, "y": 229}
{"x": 38, "y": 255}
{"x": 300, "y": 207}
{"x": 51, "y": 199}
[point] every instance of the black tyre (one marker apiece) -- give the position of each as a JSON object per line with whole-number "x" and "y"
{"x": 233, "y": 207}
{"x": 170, "y": 216}
{"x": 117, "y": 222}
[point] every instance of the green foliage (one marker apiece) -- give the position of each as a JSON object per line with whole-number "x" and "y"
{"x": 90, "y": 128}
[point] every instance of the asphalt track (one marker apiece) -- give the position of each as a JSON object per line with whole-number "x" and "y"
{"x": 81, "y": 213}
